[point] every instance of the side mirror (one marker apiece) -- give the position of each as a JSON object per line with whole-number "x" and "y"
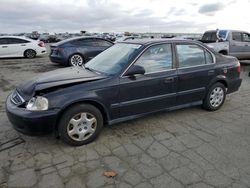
{"x": 135, "y": 69}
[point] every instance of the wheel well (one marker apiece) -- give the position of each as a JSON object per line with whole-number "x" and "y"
{"x": 224, "y": 52}
{"x": 223, "y": 82}
{"x": 94, "y": 103}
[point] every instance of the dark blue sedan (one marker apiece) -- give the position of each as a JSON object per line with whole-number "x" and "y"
{"x": 127, "y": 81}
{"x": 77, "y": 51}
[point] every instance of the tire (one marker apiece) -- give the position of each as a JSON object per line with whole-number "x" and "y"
{"x": 30, "y": 53}
{"x": 223, "y": 52}
{"x": 76, "y": 60}
{"x": 80, "y": 124}
{"x": 215, "y": 97}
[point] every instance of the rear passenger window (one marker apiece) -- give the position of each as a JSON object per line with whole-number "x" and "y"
{"x": 103, "y": 43}
{"x": 3, "y": 41}
{"x": 192, "y": 55}
{"x": 237, "y": 36}
{"x": 209, "y": 57}
{"x": 84, "y": 42}
{"x": 17, "y": 41}
{"x": 156, "y": 58}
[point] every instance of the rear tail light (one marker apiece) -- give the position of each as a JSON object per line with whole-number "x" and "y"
{"x": 238, "y": 67}
{"x": 41, "y": 44}
{"x": 58, "y": 49}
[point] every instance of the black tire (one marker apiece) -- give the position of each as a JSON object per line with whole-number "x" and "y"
{"x": 217, "y": 92}
{"x": 76, "y": 60}
{"x": 223, "y": 52}
{"x": 65, "y": 126}
{"x": 30, "y": 53}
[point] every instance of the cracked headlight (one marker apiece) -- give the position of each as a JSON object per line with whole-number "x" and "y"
{"x": 37, "y": 103}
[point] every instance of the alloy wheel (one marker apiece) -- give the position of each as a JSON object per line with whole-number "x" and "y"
{"x": 216, "y": 97}
{"x": 30, "y": 54}
{"x": 76, "y": 60}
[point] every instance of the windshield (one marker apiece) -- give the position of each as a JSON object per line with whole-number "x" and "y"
{"x": 113, "y": 60}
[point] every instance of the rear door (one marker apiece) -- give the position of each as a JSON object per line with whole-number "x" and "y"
{"x": 195, "y": 70}
{"x": 84, "y": 46}
{"x": 102, "y": 45}
{"x": 156, "y": 89}
{"x": 16, "y": 46}
{"x": 13, "y": 47}
{"x": 97, "y": 46}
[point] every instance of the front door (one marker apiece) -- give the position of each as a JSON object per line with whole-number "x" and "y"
{"x": 153, "y": 91}
{"x": 246, "y": 41}
{"x": 240, "y": 45}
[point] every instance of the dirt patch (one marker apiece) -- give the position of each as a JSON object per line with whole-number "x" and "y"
{"x": 5, "y": 85}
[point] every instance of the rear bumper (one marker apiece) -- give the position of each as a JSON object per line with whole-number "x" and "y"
{"x": 28, "y": 122}
{"x": 234, "y": 85}
{"x": 59, "y": 60}
{"x": 41, "y": 51}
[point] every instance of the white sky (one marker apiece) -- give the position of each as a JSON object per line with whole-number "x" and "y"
{"x": 127, "y": 15}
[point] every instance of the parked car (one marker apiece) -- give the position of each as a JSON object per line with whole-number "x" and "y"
{"x": 127, "y": 81}
{"x": 17, "y": 46}
{"x": 77, "y": 51}
{"x": 229, "y": 42}
{"x": 125, "y": 38}
{"x": 49, "y": 38}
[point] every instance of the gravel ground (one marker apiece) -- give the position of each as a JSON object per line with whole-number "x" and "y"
{"x": 183, "y": 148}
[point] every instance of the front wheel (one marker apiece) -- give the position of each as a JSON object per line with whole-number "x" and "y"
{"x": 215, "y": 97}
{"x": 76, "y": 60}
{"x": 80, "y": 124}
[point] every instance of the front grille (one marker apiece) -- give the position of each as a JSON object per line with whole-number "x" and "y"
{"x": 16, "y": 98}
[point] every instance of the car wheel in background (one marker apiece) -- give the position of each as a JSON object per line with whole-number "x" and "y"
{"x": 80, "y": 124}
{"x": 215, "y": 97}
{"x": 76, "y": 60}
{"x": 30, "y": 53}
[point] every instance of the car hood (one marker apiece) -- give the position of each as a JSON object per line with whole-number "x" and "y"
{"x": 64, "y": 76}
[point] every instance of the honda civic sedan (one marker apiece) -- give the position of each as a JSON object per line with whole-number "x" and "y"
{"x": 127, "y": 81}
{"x": 14, "y": 46}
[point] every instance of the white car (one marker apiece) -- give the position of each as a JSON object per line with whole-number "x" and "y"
{"x": 14, "y": 46}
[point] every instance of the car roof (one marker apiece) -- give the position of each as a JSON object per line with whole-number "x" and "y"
{"x": 16, "y": 37}
{"x": 154, "y": 41}
{"x": 230, "y": 30}
{"x": 82, "y": 37}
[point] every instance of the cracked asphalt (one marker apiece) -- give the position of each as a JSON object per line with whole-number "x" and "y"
{"x": 184, "y": 148}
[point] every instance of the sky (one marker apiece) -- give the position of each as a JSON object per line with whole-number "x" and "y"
{"x": 165, "y": 16}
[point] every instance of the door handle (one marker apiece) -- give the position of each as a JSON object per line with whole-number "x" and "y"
{"x": 23, "y": 44}
{"x": 211, "y": 72}
{"x": 4, "y": 46}
{"x": 169, "y": 80}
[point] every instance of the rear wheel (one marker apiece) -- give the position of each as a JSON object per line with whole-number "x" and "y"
{"x": 76, "y": 60}
{"x": 223, "y": 52}
{"x": 30, "y": 53}
{"x": 80, "y": 124}
{"x": 215, "y": 97}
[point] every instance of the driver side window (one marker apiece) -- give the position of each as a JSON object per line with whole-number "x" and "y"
{"x": 156, "y": 58}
